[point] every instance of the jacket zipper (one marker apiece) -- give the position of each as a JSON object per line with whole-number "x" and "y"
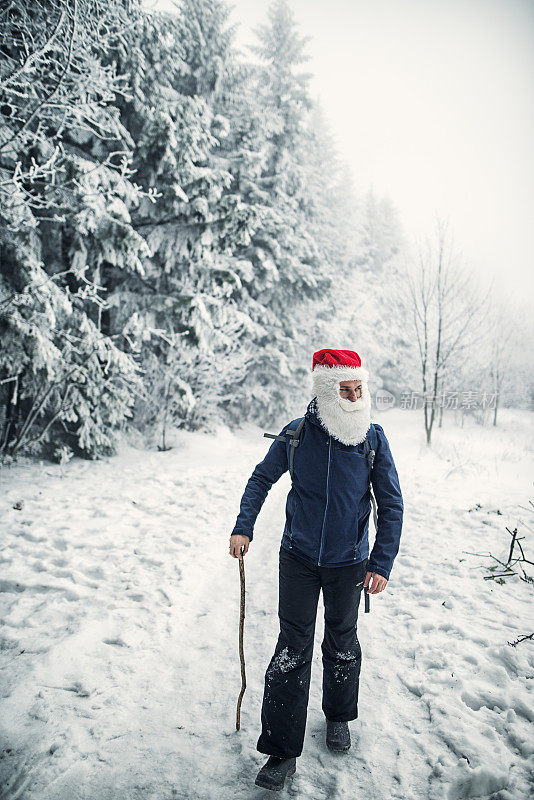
{"x": 327, "y": 498}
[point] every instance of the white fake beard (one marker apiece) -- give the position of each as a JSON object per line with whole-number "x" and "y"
{"x": 349, "y": 425}
{"x": 345, "y": 420}
{"x": 349, "y": 405}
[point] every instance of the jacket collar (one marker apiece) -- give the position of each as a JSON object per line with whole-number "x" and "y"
{"x": 311, "y": 414}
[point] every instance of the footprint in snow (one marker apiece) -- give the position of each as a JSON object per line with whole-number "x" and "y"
{"x": 11, "y": 587}
{"x": 117, "y": 642}
{"x": 60, "y": 544}
{"x": 16, "y": 777}
{"x": 165, "y": 597}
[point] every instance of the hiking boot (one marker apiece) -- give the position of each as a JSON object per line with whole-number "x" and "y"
{"x": 337, "y": 736}
{"x": 274, "y": 772}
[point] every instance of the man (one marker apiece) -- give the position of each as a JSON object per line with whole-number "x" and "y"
{"x": 325, "y": 545}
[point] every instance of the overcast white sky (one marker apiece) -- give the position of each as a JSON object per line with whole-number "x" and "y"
{"x": 432, "y": 103}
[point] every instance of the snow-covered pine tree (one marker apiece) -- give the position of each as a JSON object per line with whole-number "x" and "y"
{"x": 64, "y": 380}
{"x": 332, "y": 207}
{"x": 274, "y": 174}
{"x": 191, "y": 293}
{"x": 374, "y": 312}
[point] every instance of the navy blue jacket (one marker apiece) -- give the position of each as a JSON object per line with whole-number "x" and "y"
{"x": 329, "y": 504}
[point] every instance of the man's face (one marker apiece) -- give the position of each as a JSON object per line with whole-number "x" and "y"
{"x": 350, "y": 390}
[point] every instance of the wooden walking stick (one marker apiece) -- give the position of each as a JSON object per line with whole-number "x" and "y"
{"x": 241, "y": 651}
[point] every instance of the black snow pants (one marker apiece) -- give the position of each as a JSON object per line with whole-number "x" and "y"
{"x": 287, "y": 679}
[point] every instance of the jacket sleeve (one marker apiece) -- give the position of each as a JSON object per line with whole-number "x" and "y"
{"x": 265, "y": 474}
{"x": 390, "y": 508}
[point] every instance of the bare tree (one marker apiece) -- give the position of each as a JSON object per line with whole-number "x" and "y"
{"x": 447, "y": 313}
{"x": 500, "y": 365}
{"x": 503, "y": 339}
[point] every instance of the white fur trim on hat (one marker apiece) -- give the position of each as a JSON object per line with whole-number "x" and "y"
{"x": 325, "y": 378}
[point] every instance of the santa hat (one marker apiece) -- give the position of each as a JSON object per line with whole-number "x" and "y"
{"x": 329, "y": 367}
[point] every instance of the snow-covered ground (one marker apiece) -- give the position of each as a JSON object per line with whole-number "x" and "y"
{"x": 119, "y": 608}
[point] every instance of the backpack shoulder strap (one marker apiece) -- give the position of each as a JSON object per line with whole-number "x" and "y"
{"x": 371, "y": 446}
{"x": 275, "y": 436}
{"x": 293, "y": 442}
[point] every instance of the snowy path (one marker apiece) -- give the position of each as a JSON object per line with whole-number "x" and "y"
{"x": 119, "y": 607}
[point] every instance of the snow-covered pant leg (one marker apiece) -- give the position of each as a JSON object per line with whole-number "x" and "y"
{"x": 287, "y": 679}
{"x": 342, "y": 654}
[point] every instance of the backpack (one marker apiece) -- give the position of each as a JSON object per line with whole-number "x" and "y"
{"x": 294, "y": 442}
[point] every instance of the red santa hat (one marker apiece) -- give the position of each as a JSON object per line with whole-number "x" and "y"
{"x": 331, "y": 366}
